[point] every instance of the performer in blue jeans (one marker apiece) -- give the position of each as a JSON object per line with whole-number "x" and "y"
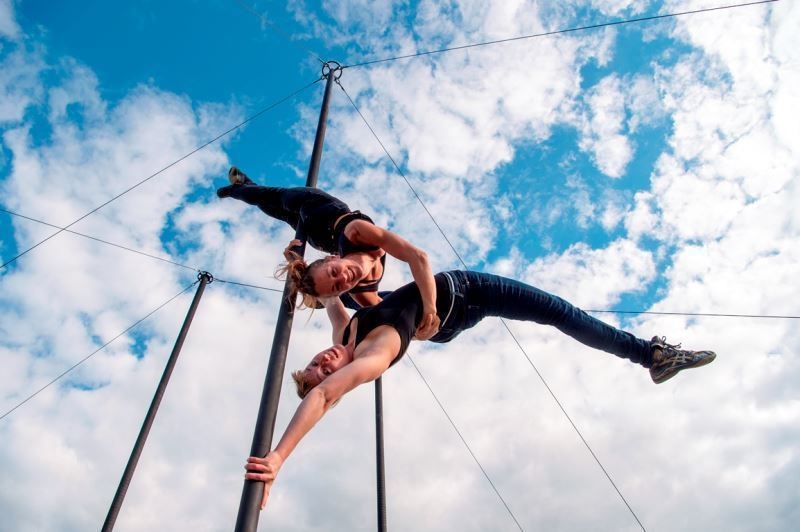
{"x": 375, "y": 338}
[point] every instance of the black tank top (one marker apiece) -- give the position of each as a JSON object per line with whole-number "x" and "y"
{"x": 345, "y": 247}
{"x": 401, "y": 310}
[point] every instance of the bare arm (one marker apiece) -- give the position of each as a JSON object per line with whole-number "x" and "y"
{"x": 366, "y": 299}
{"x": 337, "y": 315}
{"x": 373, "y": 357}
{"x": 362, "y": 232}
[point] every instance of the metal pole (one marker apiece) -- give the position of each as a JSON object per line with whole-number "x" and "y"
{"x": 205, "y": 278}
{"x": 250, "y": 503}
{"x": 379, "y": 455}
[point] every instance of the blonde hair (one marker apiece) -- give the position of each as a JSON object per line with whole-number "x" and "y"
{"x": 302, "y": 385}
{"x": 299, "y": 274}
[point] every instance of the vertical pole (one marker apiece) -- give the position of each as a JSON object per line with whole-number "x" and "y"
{"x": 122, "y": 489}
{"x": 250, "y": 503}
{"x": 379, "y": 455}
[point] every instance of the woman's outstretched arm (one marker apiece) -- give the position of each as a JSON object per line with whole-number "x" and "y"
{"x": 319, "y": 400}
{"x": 362, "y": 232}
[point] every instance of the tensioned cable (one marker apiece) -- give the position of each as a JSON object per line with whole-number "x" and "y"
{"x": 605, "y": 311}
{"x": 463, "y": 440}
{"x": 248, "y": 285}
{"x": 397, "y": 167}
{"x": 454, "y": 250}
{"x": 132, "y": 250}
{"x": 87, "y": 357}
{"x": 556, "y": 32}
{"x": 170, "y": 165}
{"x": 278, "y": 30}
{"x": 138, "y": 252}
{"x": 525, "y": 354}
{"x": 596, "y": 311}
{"x": 706, "y": 314}
{"x": 574, "y": 426}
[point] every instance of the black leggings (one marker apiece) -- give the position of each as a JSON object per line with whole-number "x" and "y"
{"x": 308, "y": 208}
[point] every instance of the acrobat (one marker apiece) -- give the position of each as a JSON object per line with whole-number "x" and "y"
{"x": 375, "y": 338}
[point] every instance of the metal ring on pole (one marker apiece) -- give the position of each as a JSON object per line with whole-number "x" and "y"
{"x": 332, "y": 68}
{"x": 203, "y": 274}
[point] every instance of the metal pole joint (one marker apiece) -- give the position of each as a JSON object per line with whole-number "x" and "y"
{"x": 333, "y": 68}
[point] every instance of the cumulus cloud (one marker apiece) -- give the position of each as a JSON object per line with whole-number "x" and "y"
{"x": 19, "y": 83}
{"x": 713, "y": 228}
{"x": 8, "y": 24}
{"x": 602, "y": 135}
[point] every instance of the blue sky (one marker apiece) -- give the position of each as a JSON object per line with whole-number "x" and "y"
{"x": 648, "y": 166}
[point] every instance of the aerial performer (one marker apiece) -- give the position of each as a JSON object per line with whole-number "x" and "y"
{"x": 356, "y": 245}
{"x": 375, "y": 338}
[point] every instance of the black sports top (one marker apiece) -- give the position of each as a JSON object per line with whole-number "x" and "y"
{"x": 346, "y": 247}
{"x": 402, "y": 310}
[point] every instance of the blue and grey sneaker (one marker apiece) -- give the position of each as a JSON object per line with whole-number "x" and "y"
{"x": 237, "y": 177}
{"x": 670, "y": 359}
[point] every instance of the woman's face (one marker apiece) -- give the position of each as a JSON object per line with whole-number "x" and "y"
{"x": 326, "y": 363}
{"x": 335, "y": 276}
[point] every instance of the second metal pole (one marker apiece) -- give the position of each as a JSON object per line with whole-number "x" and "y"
{"x": 122, "y": 489}
{"x": 379, "y": 455}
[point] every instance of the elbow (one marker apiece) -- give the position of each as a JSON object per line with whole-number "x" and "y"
{"x": 420, "y": 256}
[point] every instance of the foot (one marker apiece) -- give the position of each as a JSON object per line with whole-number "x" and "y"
{"x": 224, "y": 192}
{"x": 237, "y": 177}
{"x": 670, "y": 359}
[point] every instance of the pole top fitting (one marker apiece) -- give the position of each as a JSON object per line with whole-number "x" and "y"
{"x": 332, "y": 68}
{"x": 205, "y": 276}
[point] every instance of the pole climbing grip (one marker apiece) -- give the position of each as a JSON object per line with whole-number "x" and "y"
{"x": 332, "y": 68}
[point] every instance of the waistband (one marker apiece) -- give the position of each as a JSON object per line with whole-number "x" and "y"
{"x": 455, "y": 284}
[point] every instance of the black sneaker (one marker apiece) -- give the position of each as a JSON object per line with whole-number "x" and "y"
{"x": 670, "y": 359}
{"x": 237, "y": 177}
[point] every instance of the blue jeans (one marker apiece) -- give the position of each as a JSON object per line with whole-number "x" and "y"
{"x": 310, "y": 209}
{"x": 477, "y": 295}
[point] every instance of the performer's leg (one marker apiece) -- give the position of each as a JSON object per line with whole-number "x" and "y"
{"x": 310, "y": 207}
{"x": 271, "y": 200}
{"x": 491, "y": 295}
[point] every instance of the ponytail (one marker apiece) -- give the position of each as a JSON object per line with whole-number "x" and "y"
{"x": 299, "y": 274}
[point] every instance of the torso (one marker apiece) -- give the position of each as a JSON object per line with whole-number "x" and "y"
{"x": 400, "y": 311}
{"x": 347, "y": 247}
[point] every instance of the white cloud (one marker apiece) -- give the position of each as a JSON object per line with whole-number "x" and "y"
{"x": 719, "y": 212}
{"x": 8, "y": 25}
{"x": 602, "y": 128}
{"x": 19, "y": 83}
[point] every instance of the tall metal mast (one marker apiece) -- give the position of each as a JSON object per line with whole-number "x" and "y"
{"x": 249, "y": 505}
{"x": 111, "y": 517}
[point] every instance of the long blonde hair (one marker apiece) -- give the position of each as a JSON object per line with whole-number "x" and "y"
{"x": 299, "y": 274}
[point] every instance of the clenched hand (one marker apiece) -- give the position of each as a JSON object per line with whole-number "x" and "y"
{"x": 264, "y": 470}
{"x": 428, "y": 326}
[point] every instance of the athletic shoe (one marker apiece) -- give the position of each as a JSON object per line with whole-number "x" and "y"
{"x": 237, "y": 177}
{"x": 670, "y": 359}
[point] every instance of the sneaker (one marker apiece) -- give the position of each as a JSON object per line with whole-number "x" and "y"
{"x": 237, "y": 177}
{"x": 670, "y": 359}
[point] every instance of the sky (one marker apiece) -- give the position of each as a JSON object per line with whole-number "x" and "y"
{"x": 639, "y": 167}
